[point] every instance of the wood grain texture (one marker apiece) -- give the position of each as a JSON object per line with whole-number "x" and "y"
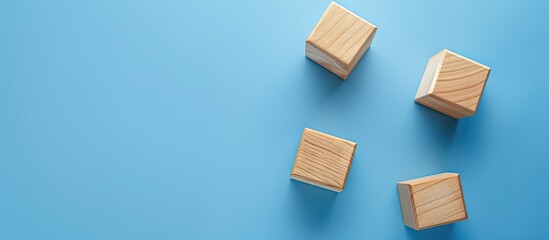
{"x": 432, "y": 201}
{"x": 339, "y": 40}
{"x": 452, "y": 84}
{"x": 323, "y": 160}
{"x": 445, "y": 107}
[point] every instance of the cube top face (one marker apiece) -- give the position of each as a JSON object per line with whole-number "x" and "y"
{"x": 435, "y": 200}
{"x": 341, "y": 35}
{"x": 323, "y": 160}
{"x": 460, "y": 81}
{"x": 452, "y": 84}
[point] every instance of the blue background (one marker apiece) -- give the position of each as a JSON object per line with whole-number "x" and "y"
{"x": 180, "y": 120}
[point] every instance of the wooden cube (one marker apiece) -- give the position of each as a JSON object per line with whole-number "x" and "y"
{"x": 323, "y": 160}
{"x": 339, "y": 40}
{"x": 432, "y": 201}
{"x": 452, "y": 84}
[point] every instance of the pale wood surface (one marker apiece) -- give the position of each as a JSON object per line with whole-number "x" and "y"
{"x": 433, "y": 67}
{"x": 452, "y": 84}
{"x": 445, "y": 107}
{"x": 406, "y": 204}
{"x": 434, "y": 200}
{"x": 339, "y": 40}
{"x": 326, "y": 61}
{"x": 323, "y": 160}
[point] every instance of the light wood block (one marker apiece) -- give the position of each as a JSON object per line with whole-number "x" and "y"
{"x": 452, "y": 84}
{"x": 339, "y": 40}
{"x": 323, "y": 160}
{"x": 432, "y": 201}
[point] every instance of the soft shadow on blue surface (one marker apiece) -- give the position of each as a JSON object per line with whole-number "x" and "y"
{"x": 363, "y": 69}
{"x": 437, "y": 233}
{"x": 311, "y": 205}
{"x": 331, "y": 93}
{"x": 471, "y": 132}
{"x": 321, "y": 77}
{"x": 436, "y": 126}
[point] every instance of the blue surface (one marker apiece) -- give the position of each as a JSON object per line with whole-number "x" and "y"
{"x": 181, "y": 120}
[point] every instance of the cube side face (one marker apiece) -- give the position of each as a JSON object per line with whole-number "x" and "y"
{"x": 445, "y": 107}
{"x": 342, "y": 36}
{"x": 461, "y": 81}
{"x": 298, "y": 177}
{"x": 323, "y": 160}
{"x": 429, "y": 75}
{"x": 407, "y": 205}
{"x": 326, "y": 61}
{"x": 438, "y": 201}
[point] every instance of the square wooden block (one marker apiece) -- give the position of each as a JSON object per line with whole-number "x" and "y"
{"x": 452, "y": 84}
{"x": 339, "y": 40}
{"x": 323, "y": 160}
{"x": 432, "y": 201}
